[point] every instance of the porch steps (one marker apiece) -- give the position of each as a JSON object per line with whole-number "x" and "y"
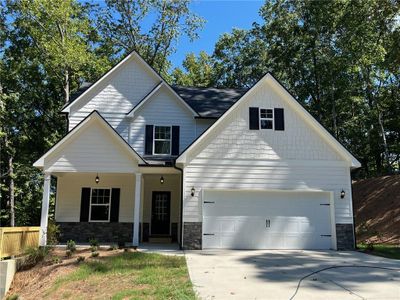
{"x": 160, "y": 239}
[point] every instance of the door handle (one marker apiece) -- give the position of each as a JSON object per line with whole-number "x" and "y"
{"x": 267, "y": 223}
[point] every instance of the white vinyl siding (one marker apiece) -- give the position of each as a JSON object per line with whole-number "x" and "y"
{"x": 117, "y": 95}
{"x": 234, "y": 157}
{"x": 69, "y": 189}
{"x": 163, "y": 109}
{"x": 91, "y": 149}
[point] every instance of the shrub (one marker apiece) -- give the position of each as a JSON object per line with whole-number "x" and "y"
{"x": 80, "y": 259}
{"x": 71, "y": 246}
{"x": 56, "y": 260}
{"x": 95, "y": 254}
{"x": 53, "y": 233}
{"x": 112, "y": 247}
{"x": 369, "y": 246}
{"x": 68, "y": 253}
{"x": 93, "y": 242}
{"x": 34, "y": 255}
{"x": 13, "y": 297}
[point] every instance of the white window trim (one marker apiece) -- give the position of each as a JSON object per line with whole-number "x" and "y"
{"x": 269, "y": 119}
{"x": 90, "y": 205}
{"x": 154, "y": 140}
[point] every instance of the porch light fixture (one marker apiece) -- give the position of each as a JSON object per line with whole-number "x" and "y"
{"x": 162, "y": 180}
{"x": 192, "y": 191}
{"x": 342, "y": 194}
{"x": 97, "y": 179}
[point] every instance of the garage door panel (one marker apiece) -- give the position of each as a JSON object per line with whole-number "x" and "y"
{"x": 266, "y": 220}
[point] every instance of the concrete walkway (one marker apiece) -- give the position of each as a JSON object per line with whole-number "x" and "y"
{"x": 230, "y": 274}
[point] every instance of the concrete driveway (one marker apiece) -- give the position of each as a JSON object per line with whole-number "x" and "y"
{"x": 234, "y": 274}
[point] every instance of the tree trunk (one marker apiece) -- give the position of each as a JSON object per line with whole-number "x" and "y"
{"x": 12, "y": 191}
{"x": 385, "y": 145}
{"x": 66, "y": 86}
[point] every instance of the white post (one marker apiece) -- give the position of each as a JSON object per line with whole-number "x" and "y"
{"x": 45, "y": 210}
{"x": 136, "y": 215}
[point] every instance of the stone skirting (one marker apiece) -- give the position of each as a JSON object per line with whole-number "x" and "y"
{"x": 345, "y": 236}
{"x": 192, "y": 235}
{"x": 82, "y": 232}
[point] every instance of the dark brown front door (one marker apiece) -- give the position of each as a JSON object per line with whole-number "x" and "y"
{"x": 160, "y": 212}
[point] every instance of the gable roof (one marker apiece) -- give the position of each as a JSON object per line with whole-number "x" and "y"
{"x": 209, "y": 102}
{"x": 88, "y": 87}
{"x": 332, "y": 141}
{"x": 153, "y": 92}
{"x": 94, "y": 116}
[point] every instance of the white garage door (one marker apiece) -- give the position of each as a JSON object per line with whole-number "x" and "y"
{"x": 266, "y": 220}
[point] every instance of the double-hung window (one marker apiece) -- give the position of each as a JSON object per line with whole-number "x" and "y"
{"x": 266, "y": 118}
{"x": 100, "y": 200}
{"x": 162, "y": 140}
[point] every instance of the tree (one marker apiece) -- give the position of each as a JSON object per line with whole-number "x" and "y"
{"x": 60, "y": 31}
{"x": 198, "y": 71}
{"x": 339, "y": 58}
{"x": 122, "y": 28}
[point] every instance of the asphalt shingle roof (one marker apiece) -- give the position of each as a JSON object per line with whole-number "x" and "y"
{"x": 207, "y": 102}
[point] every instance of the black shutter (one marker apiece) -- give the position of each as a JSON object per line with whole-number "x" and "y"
{"x": 279, "y": 119}
{"x": 148, "y": 146}
{"x": 85, "y": 202}
{"x": 114, "y": 214}
{"x": 254, "y": 118}
{"x": 175, "y": 140}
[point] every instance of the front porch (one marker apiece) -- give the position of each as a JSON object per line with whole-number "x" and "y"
{"x": 106, "y": 209}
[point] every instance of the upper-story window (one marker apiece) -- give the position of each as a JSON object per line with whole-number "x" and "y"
{"x": 162, "y": 140}
{"x": 266, "y": 118}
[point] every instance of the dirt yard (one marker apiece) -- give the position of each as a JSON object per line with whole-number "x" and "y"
{"x": 377, "y": 209}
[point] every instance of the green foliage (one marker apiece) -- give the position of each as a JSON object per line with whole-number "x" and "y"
{"x": 95, "y": 254}
{"x": 53, "y": 232}
{"x": 339, "y": 58}
{"x": 34, "y": 255}
{"x": 80, "y": 259}
{"x": 122, "y": 28}
{"x": 13, "y": 297}
{"x": 71, "y": 246}
{"x": 68, "y": 253}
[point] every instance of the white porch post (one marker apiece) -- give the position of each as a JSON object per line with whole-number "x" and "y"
{"x": 45, "y": 210}
{"x": 136, "y": 216}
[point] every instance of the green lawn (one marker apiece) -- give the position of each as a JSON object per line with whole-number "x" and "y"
{"x": 389, "y": 251}
{"x": 129, "y": 275}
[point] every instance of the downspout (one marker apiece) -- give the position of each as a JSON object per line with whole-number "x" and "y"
{"x": 181, "y": 215}
{"x": 354, "y": 218}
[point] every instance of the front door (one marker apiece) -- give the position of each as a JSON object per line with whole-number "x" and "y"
{"x": 160, "y": 212}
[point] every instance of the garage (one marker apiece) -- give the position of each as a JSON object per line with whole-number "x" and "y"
{"x": 267, "y": 220}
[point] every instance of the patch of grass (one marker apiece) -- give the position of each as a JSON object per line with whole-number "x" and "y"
{"x": 389, "y": 251}
{"x": 129, "y": 275}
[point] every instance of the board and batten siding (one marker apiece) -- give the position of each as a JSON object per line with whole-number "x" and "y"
{"x": 163, "y": 109}
{"x": 234, "y": 157}
{"x": 69, "y": 188}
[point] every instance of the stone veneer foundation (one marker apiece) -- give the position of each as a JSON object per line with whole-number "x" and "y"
{"x": 345, "y": 236}
{"x": 192, "y": 235}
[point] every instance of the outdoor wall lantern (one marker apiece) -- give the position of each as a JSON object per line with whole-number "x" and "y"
{"x": 97, "y": 179}
{"x": 192, "y": 191}
{"x": 342, "y": 194}
{"x": 162, "y": 180}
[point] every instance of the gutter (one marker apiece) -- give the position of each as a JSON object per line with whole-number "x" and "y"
{"x": 181, "y": 215}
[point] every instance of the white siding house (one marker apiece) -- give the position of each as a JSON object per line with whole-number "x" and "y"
{"x": 207, "y": 168}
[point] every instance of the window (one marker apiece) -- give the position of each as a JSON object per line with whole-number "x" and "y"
{"x": 100, "y": 205}
{"x": 266, "y": 118}
{"x": 162, "y": 140}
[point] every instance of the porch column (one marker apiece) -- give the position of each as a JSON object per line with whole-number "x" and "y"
{"x": 45, "y": 210}
{"x": 136, "y": 215}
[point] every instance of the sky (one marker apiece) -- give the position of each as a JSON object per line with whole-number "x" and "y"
{"x": 221, "y": 16}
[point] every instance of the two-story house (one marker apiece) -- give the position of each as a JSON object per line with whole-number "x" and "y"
{"x": 144, "y": 161}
